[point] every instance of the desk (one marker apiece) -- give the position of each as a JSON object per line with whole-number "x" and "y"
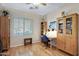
{"x": 52, "y": 41}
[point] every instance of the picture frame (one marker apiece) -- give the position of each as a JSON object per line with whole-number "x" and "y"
{"x": 53, "y": 25}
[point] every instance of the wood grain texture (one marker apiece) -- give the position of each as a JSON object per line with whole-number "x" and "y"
{"x": 60, "y": 36}
{"x": 69, "y": 42}
{"x": 5, "y": 31}
{"x": 37, "y": 49}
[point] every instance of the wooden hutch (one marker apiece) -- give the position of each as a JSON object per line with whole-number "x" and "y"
{"x": 67, "y": 36}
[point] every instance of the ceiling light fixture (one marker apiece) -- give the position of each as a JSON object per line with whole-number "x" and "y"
{"x": 36, "y": 5}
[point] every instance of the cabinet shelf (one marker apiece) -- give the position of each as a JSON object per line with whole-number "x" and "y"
{"x": 60, "y": 26}
{"x": 69, "y": 25}
{"x": 43, "y": 27}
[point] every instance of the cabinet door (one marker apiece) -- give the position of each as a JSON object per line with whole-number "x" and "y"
{"x": 7, "y": 35}
{"x": 60, "y": 34}
{"x": 69, "y": 44}
{"x": 68, "y": 35}
{"x": 71, "y": 35}
{"x": 60, "y": 42}
{"x": 3, "y": 31}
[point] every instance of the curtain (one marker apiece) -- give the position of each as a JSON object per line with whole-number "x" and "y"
{"x": 21, "y": 26}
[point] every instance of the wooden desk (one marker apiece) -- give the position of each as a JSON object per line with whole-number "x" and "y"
{"x": 50, "y": 38}
{"x": 52, "y": 41}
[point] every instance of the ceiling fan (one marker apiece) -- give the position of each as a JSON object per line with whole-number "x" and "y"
{"x": 36, "y": 5}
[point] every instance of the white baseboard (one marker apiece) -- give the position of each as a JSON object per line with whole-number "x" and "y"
{"x": 36, "y": 41}
{"x": 23, "y": 44}
{"x": 16, "y": 45}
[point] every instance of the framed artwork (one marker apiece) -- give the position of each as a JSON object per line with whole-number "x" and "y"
{"x": 53, "y": 25}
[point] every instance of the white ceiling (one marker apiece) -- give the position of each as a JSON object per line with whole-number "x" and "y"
{"x": 41, "y": 11}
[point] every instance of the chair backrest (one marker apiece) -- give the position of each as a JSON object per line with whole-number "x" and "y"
{"x": 44, "y": 38}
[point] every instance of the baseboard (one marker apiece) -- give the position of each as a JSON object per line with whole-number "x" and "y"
{"x": 36, "y": 41}
{"x": 16, "y": 45}
{"x": 23, "y": 44}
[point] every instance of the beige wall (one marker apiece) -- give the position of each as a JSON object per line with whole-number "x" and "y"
{"x": 16, "y": 41}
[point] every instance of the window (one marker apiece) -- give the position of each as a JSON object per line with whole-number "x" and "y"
{"x": 21, "y": 26}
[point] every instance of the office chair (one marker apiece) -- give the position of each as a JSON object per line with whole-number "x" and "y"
{"x": 45, "y": 40}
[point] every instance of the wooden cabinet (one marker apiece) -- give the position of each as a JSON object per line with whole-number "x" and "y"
{"x": 5, "y": 31}
{"x": 43, "y": 27}
{"x": 60, "y": 38}
{"x": 60, "y": 41}
{"x": 69, "y": 45}
{"x": 68, "y": 42}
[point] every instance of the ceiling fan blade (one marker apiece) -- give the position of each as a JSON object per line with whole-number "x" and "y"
{"x": 33, "y": 7}
{"x": 36, "y": 6}
{"x": 44, "y": 4}
{"x": 28, "y": 3}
